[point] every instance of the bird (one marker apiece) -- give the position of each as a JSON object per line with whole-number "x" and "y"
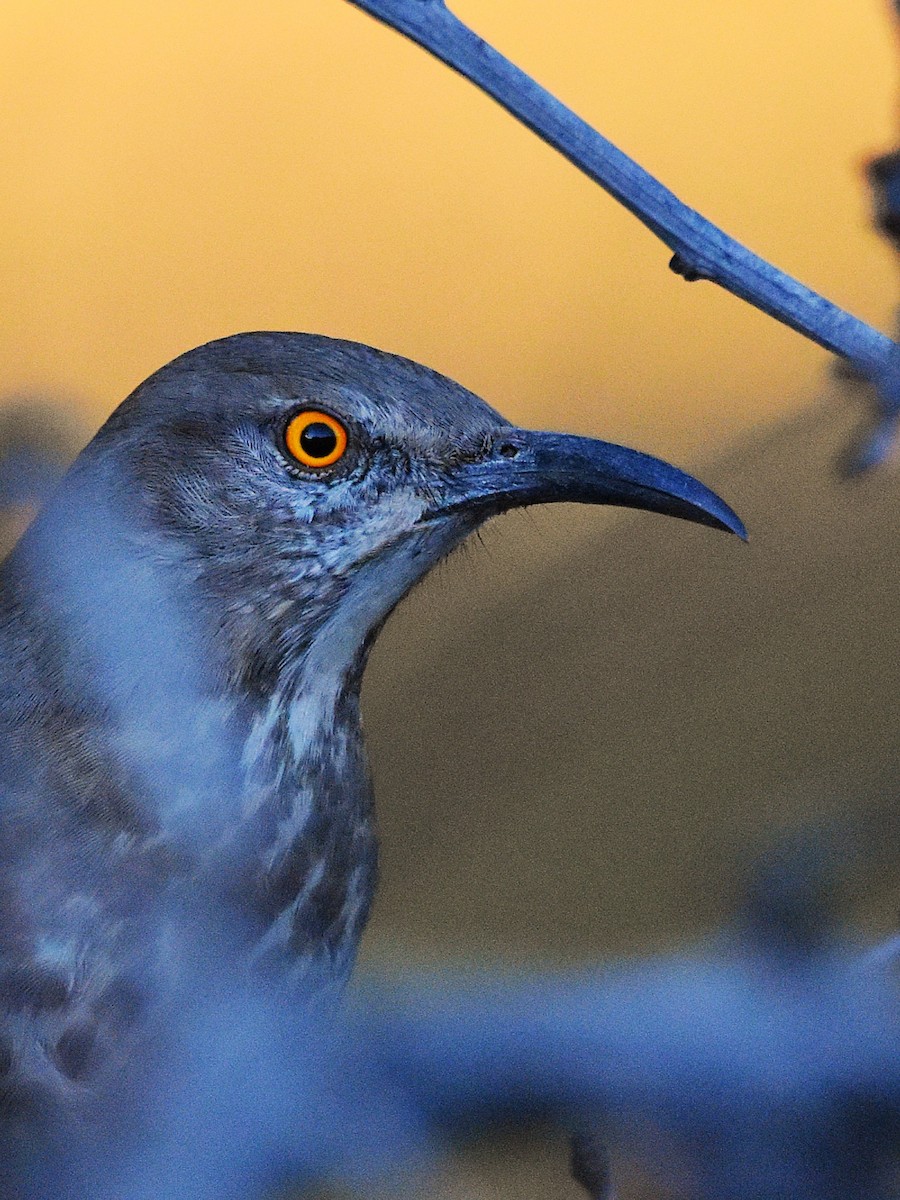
{"x": 183, "y": 633}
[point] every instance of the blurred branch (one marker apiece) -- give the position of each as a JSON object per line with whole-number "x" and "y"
{"x": 590, "y": 1166}
{"x": 762, "y": 1067}
{"x": 885, "y": 955}
{"x": 38, "y": 439}
{"x": 37, "y": 442}
{"x": 701, "y": 249}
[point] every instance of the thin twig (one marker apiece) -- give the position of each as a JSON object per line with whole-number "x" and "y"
{"x": 701, "y": 249}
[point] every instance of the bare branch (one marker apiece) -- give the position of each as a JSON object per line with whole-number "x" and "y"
{"x": 700, "y": 249}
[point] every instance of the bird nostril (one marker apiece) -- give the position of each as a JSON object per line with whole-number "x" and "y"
{"x": 509, "y": 450}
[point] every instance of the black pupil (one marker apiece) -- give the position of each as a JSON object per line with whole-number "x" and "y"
{"x": 318, "y": 440}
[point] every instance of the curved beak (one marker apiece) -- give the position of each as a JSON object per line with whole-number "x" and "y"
{"x": 531, "y": 467}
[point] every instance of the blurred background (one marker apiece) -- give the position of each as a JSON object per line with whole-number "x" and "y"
{"x": 583, "y": 724}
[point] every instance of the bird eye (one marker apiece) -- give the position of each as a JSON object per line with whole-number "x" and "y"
{"x": 315, "y": 439}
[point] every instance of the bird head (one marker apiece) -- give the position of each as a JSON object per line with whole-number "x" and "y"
{"x": 308, "y": 483}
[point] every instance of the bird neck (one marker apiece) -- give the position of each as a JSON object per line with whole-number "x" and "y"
{"x": 308, "y": 811}
{"x": 187, "y": 702}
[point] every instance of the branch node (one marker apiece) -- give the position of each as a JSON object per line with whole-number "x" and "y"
{"x": 682, "y": 267}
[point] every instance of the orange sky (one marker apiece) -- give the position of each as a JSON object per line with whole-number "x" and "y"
{"x": 175, "y": 172}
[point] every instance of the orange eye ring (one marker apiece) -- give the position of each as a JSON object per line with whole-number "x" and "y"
{"x": 315, "y": 439}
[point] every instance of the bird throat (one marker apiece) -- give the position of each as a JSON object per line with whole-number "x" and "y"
{"x": 308, "y": 814}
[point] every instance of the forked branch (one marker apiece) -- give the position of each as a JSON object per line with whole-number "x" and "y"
{"x": 700, "y": 249}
